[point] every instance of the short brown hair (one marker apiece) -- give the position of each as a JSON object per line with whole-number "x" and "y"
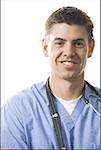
{"x": 70, "y": 15}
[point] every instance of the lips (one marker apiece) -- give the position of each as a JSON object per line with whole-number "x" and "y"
{"x": 68, "y": 61}
{"x": 68, "y": 64}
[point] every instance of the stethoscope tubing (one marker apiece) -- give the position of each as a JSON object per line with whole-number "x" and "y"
{"x": 55, "y": 115}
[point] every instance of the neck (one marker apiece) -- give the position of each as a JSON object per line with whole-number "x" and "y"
{"x": 65, "y": 89}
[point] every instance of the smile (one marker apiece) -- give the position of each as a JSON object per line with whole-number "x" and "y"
{"x": 69, "y": 64}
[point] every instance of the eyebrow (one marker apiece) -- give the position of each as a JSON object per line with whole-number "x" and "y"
{"x": 58, "y": 38}
{"x": 78, "y": 39}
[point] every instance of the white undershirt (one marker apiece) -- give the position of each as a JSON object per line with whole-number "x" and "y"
{"x": 69, "y": 104}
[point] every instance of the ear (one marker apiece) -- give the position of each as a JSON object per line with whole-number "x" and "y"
{"x": 45, "y": 47}
{"x": 91, "y": 47}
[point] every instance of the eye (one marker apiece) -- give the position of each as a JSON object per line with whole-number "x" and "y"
{"x": 79, "y": 44}
{"x": 59, "y": 43}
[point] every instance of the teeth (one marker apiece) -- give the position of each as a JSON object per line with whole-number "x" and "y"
{"x": 67, "y": 62}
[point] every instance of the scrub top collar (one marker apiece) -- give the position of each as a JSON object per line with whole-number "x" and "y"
{"x": 89, "y": 93}
{"x": 42, "y": 88}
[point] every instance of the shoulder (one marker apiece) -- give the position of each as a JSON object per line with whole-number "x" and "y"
{"x": 26, "y": 98}
{"x": 92, "y": 90}
{"x": 98, "y": 90}
{"x": 93, "y": 94}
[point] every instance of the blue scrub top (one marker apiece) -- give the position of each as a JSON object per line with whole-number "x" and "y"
{"x": 26, "y": 122}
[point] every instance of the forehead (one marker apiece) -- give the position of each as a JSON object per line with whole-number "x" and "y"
{"x": 66, "y": 31}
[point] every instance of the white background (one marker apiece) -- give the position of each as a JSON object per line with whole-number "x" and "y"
{"x": 22, "y": 29}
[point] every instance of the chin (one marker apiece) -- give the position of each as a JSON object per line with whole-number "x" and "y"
{"x": 70, "y": 77}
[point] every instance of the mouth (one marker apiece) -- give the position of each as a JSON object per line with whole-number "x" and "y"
{"x": 69, "y": 64}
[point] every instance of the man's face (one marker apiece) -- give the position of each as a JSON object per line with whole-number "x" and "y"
{"x": 68, "y": 48}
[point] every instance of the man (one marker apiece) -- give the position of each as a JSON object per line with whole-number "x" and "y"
{"x": 29, "y": 121}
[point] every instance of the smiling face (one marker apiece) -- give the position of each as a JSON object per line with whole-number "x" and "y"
{"x": 68, "y": 48}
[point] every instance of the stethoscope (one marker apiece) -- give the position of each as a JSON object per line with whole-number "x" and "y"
{"x": 55, "y": 115}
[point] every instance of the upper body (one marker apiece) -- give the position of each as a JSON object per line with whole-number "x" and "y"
{"x": 26, "y": 121}
{"x": 68, "y": 43}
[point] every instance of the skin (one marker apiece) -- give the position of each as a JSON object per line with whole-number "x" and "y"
{"x": 68, "y": 49}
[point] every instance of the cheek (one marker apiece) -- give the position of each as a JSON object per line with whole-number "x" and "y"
{"x": 83, "y": 53}
{"x": 55, "y": 53}
{"x": 54, "y": 57}
{"x": 84, "y": 57}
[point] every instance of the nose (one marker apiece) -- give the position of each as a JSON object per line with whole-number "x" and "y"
{"x": 68, "y": 50}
